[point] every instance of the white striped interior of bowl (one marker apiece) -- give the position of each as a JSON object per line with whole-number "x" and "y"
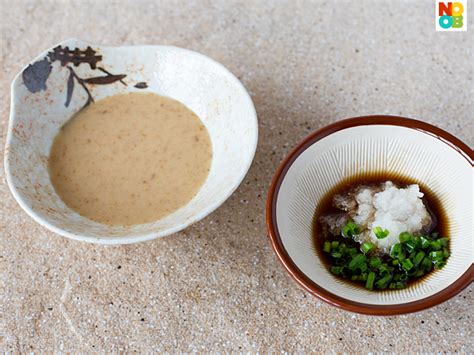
{"x": 367, "y": 149}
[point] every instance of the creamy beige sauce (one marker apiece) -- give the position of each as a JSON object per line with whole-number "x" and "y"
{"x": 130, "y": 159}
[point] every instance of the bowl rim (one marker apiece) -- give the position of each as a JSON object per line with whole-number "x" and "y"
{"x": 274, "y": 236}
{"x": 141, "y": 237}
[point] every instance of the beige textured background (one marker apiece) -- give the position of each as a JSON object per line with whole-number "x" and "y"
{"x": 218, "y": 285}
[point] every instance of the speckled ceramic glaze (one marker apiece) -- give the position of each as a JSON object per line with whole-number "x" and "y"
{"x": 358, "y": 146}
{"x": 72, "y": 75}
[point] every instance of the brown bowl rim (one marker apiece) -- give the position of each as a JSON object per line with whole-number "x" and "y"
{"x": 364, "y": 308}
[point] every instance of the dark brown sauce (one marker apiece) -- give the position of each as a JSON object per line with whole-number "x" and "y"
{"x": 431, "y": 201}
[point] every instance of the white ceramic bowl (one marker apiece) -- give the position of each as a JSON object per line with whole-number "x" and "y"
{"x": 365, "y": 145}
{"x": 44, "y": 97}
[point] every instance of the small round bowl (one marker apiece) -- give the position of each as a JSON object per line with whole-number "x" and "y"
{"x": 60, "y": 81}
{"x": 361, "y": 145}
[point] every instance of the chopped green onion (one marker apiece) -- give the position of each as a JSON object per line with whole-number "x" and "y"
{"x": 425, "y": 243}
{"x": 412, "y": 257}
{"x": 397, "y": 285}
{"x": 404, "y": 237}
{"x": 426, "y": 264}
{"x": 380, "y": 233}
{"x": 352, "y": 252}
{"x": 436, "y": 245}
{"x": 375, "y": 262}
{"x": 383, "y": 282}
{"x": 396, "y": 251}
{"x": 327, "y": 247}
{"x": 367, "y": 247}
{"x": 384, "y": 269}
{"x": 418, "y": 258}
{"x": 357, "y": 261}
{"x": 350, "y": 230}
{"x": 369, "y": 284}
{"x": 407, "y": 264}
{"x": 342, "y": 248}
{"x": 436, "y": 255}
{"x": 444, "y": 241}
{"x": 410, "y": 246}
{"x": 417, "y": 241}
